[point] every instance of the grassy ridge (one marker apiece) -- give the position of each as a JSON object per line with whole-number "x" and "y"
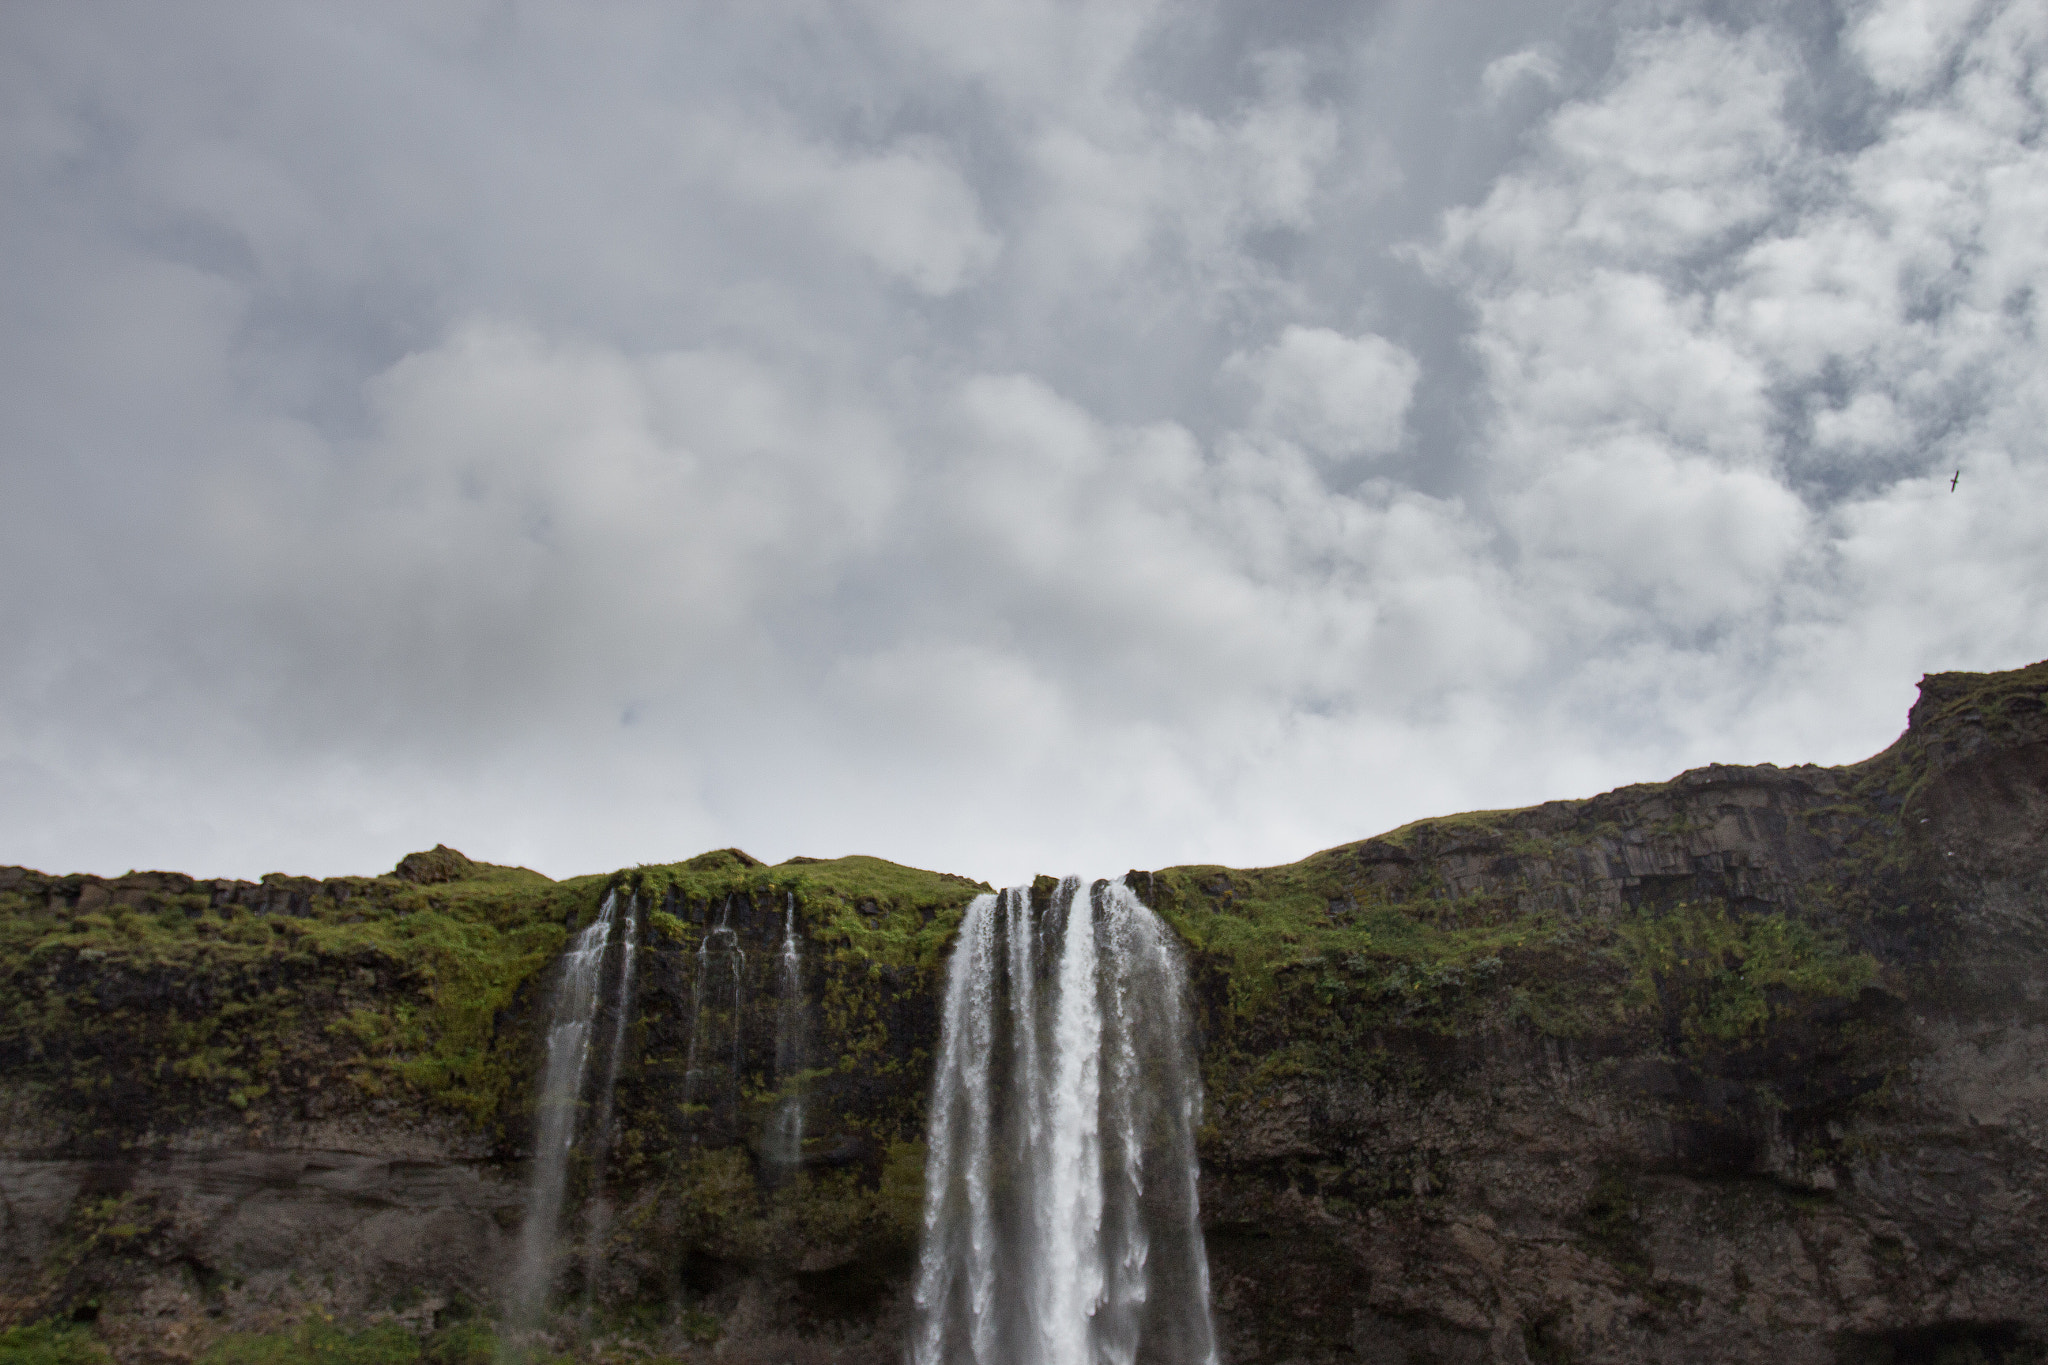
{"x": 202, "y": 998}
{"x": 186, "y": 1000}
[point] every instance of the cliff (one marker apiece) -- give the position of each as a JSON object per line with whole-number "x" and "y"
{"x": 1746, "y": 1065}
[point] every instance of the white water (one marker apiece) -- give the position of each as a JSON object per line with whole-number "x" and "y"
{"x": 783, "y": 1144}
{"x": 1061, "y": 1224}
{"x": 598, "y": 1212}
{"x": 571, "y": 1020}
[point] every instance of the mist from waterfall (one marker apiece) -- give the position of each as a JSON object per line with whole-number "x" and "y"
{"x": 1061, "y": 1222}
{"x": 572, "y": 1018}
{"x": 783, "y": 1144}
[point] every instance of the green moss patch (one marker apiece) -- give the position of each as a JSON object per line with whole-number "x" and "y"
{"x": 1724, "y": 980}
{"x": 51, "y": 1343}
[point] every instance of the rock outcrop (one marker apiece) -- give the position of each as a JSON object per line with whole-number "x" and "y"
{"x": 1744, "y": 1066}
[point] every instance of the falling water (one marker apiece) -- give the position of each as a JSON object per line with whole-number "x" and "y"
{"x": 598, "y": 1213}
{"x": 1061, "y": 1225}
{"x": 783, "y": 1144}
{"x": 727, "y": 940}
{"x": 570, "y": 1022}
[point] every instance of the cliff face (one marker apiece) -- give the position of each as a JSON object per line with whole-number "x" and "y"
{"x": 1744, "y": 1066}
{"x": 1748, "y": 1065}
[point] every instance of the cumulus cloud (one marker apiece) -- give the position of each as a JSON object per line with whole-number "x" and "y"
{"x": 904, "y": 208}
{"x": 1002, "y": 437}
{"x": 1503, "y": 74}
{"x": 1903, "y": 44}
{"x": 1722, "y": 354}
{"x": 1338, "y": 395}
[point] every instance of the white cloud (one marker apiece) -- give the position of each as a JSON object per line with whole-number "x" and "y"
{"x": 1503, "y": 74}
{"x": 1676, "y": 277}
{"x": 1905, "y": 43}
{"x": 1685, "y": 541}
{"x": 904, "y": 209}
{"x": 1339, "y": 395}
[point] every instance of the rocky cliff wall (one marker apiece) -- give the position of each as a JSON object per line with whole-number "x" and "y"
{"x": 1743, "y": 1066}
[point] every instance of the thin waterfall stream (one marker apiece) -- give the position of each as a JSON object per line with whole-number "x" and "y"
{"x": 1065, "y": 1056}
{"x": 598, "y": 1209}
{"x": 572, "y": 1017}
{"x": 783, "y": 1144}
{"x": 720, "y": 939}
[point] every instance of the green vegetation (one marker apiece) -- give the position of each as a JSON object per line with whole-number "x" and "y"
{"x": 875, "y": 936}
{"x": 51, "y": 1343}
{"x": 318, "y": 1343}
{"x": 1726, "y": 978}
{"x": 321, "y": 1342}
{"x": 879, "y": 912}
{"x": 210, "y": 997}
{"x": 1408, "y": 960}
{"x": 135, "y": 1005}
{"x": 1959, "y": 710}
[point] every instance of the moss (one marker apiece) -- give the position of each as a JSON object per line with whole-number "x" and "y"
{"x": 51, "y": 1343}
{"x": 1261, "y": 930}
{"x": 321, "y": 1342}
{"x": 1725, "y": 978}
{"x": 882, "y": 912}
{"x": 902, "y": 1188}
{"x": 2001, "y": 703}
{"x": 1485, "y": 824}
{"x": 700, "y": 1328}
{"x": 182, "y": 1003}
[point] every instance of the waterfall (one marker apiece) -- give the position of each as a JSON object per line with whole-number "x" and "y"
{"x": 727, "y": 940}
{"x": 783, "y": 1144}
{"x": 1061, "y": 1223}
{"x": 598, "y": 1213}
{"x": 571, "y": 1019}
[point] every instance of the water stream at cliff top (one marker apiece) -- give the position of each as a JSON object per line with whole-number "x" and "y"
{"x": 572, "y": 1018}
{"x": 1061, "y": 1223}
{"x": 783, "y": 1144}
{"x": 720, "y": 939}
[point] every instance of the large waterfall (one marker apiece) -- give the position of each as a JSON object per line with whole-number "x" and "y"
{"x": 1060, "y": 1224}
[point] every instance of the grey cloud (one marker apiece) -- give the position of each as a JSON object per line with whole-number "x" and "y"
{"x": 934, "y": 430}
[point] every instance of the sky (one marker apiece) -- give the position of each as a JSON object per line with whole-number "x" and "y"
{"x": 1002, "y": 436}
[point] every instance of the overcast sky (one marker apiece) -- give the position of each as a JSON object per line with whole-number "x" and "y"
{"x": 1000, "y": 437}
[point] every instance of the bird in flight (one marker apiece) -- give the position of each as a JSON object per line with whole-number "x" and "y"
{"x": 1952, "y": 480}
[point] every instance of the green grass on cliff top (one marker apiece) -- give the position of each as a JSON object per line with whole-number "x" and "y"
{"x": 886, "y": 913}
{"x": 397, "y": 985}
